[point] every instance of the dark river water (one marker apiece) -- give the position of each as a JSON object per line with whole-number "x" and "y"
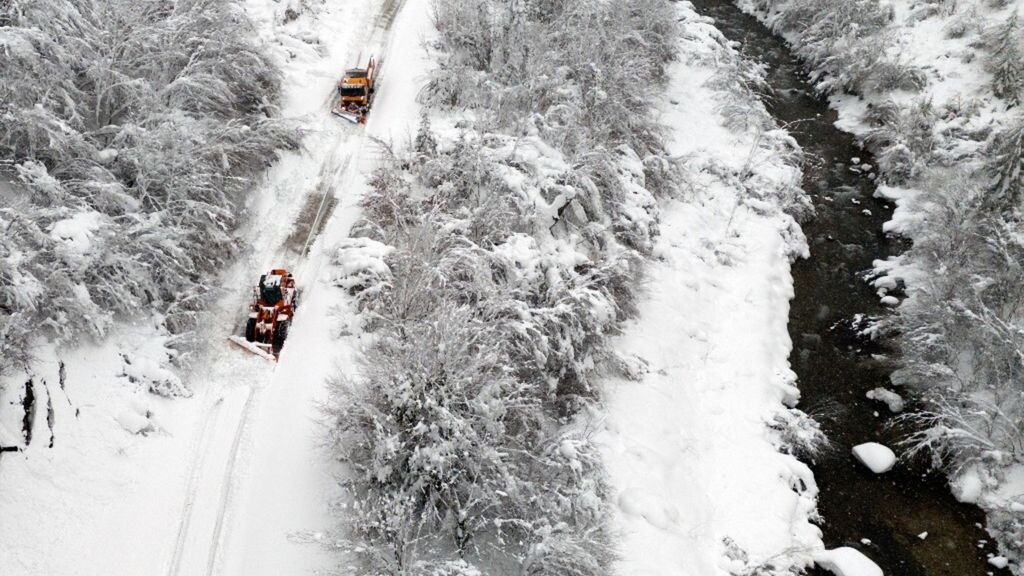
{"x": 834, "y": 366}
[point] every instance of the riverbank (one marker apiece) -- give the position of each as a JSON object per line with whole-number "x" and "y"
{"x": 695, "y": 432}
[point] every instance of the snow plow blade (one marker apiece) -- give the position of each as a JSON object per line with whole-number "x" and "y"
{"x": 252, "y": 347}
{"x": 352, "y": 117}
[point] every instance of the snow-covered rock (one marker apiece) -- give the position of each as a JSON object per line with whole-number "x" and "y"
{"x": 999, "y": 562}
{"x": 890, "y": 301}
{"x": 968, "y": 486}
{"x": 134, "y": 422}
{"x": 153, "y": 375}
{"x": 847, "y": 561}
{"x": 891, "y": 399}
{"x": 887, "y": 282}
{"x": 875, "y": 456}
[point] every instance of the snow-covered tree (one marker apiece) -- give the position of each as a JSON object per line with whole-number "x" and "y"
{"x": 425, "y": 143}
{"x": 1006, "y": 164}
{"x": 1006, "y": 59}
{"x": 134, "y": 128}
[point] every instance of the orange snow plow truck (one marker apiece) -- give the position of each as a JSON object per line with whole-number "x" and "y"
{"x": 355, "y": 93}
{"x": 270, "y": 314}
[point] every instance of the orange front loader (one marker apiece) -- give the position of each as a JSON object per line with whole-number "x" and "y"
{"x": 355, "y": 92}
{"x": 270, "y": 314}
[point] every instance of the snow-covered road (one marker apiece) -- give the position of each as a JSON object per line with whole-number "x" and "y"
{"x": 275, "y": 515}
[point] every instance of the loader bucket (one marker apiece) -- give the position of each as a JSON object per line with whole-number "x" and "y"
{"x": 253, "y": 348}
{"x": 352, "y": 117}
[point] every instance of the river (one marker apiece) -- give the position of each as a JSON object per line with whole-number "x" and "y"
{"x": 835, "y": 367}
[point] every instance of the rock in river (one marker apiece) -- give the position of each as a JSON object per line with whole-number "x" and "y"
{"x": 875, "y": 456}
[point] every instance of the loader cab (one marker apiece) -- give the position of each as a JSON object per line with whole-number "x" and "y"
{"x": 270, "y": 289}
{"x": 352, "y": 91}
{"x": 355, "y": 84}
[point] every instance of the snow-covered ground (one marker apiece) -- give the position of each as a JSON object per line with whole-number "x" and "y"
{"x": 701, "y": 485}
{"x": 232, "y": 479}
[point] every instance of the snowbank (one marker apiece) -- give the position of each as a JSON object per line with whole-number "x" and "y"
{"x": 702, "y": 487}
{"x": 98, "y": 469}
{"x": 847, "y": 562}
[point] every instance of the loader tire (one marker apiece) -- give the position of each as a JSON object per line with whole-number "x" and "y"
{"x": 280, "y": 335}
{"x": 250, "y": 330}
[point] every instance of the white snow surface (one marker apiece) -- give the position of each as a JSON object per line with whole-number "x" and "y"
{"x": 847, "y": 561}
{"x": 232, "y": 479}
{"x": 700, "y": 485}
{"x": 877, "y": 457}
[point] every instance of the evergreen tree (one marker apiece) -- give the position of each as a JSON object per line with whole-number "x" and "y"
{"x": 1006, "y": 165}
{"x": 426, "y": 144}
{"x": 1006, "y": 61}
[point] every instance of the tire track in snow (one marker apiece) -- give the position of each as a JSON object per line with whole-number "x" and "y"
{"x": 195, "y": 471}
{"x": 226, "y": 483}
{"x": 208, "y": 493}
{"x": 388, "y": 12}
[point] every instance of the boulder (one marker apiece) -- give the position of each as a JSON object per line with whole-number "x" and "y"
{"x": 875, "y": 456}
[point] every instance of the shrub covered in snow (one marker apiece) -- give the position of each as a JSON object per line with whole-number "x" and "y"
{"x": 847, "y": 44}
{"x": 1006, "y": 166}
{"x": 487, "y": 339}
{"x": 902, "y": 137}
{"x": 134, "y": 127}
{"x": 962, "y": 349}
